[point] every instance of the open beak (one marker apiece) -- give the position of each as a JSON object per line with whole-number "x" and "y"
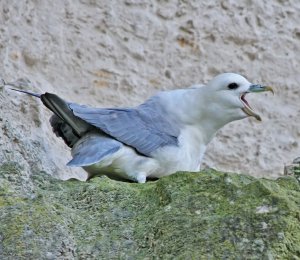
{"x": 255, "y": 88}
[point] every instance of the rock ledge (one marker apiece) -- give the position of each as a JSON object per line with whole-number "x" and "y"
{"x": 206, "y": 215}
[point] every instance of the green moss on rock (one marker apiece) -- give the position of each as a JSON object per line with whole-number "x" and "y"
{"x": 206, "y": 215}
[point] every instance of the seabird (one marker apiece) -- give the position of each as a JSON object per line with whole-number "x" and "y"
{"x": 169, "y": 132}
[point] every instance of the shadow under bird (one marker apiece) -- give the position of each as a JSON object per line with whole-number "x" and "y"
{"x": 167, "y": 133}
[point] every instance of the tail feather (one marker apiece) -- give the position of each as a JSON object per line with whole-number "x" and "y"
{"x": 62, "y": 110}
{"x": 63, "y": 130}
{"x": 27, "y": 92}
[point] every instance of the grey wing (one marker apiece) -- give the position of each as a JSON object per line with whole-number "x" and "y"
{"x": 145, "y": 128}
{"x": 93, "y": 148}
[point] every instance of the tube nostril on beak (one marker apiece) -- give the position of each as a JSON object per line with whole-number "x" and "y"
{"x": 255, "y": 88}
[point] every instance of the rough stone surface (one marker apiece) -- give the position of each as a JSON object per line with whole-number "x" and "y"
{"x": 118, "y": 53}
{"x": 206, "y": 215}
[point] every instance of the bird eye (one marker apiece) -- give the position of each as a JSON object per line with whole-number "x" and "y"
{"x": 233, "y": 86}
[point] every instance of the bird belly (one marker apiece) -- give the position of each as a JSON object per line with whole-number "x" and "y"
{"x": 124, "y": 164}
{"x": 127, "y": 164}
{"x": 176, "y": 159}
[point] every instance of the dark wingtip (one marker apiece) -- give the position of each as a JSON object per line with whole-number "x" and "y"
{"x": 26, "y": 92}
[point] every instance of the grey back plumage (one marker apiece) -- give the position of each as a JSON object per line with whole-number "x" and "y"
{"x": 145, "y": 128}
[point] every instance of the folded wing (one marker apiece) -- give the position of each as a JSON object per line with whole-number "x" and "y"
{"x": 93, "y": 148}
{"x": 145, "y": 128}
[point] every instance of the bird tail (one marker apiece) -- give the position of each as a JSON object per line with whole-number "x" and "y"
{"x": 62, "y": 110}
{"x": 27, "y": 92}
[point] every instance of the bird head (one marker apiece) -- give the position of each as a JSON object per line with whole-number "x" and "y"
{"x": 229, "y": 92}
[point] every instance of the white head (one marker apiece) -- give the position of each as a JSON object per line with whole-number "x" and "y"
{"x": 228, "y": 93}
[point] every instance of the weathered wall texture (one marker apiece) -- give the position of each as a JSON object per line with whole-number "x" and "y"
{"x": 118, "y": 53}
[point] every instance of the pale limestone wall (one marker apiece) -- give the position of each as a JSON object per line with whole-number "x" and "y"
{"x": 118, "y": 53}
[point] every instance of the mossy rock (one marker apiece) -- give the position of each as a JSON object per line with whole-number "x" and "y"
{"x": 205, "y": 215}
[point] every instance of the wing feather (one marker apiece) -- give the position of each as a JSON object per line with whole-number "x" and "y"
{"x": 92, "y": 148}
{"x": 145, "y": 128}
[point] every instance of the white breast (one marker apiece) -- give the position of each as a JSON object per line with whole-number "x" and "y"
{"x": 187, "y": 156}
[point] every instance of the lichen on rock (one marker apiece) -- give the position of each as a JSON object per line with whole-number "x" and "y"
{"x": 205, "y": 215}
